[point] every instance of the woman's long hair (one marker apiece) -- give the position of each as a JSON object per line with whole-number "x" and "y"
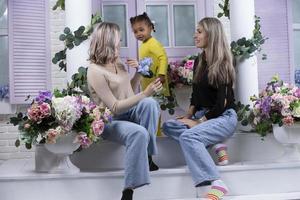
{"x": 217, "y": 57}
{"x": 103, "y": 47}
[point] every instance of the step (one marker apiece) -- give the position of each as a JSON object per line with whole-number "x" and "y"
{"x": 243, "y": 179}
{"x": 242, "y": 147}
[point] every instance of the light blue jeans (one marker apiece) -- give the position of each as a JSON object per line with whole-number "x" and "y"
{"x": 195, "y": 140}
{"x": 136, "y": 130}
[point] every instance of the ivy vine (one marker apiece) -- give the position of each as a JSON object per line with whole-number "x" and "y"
{"x": 59, "y": 3}
{"x": 245, "y": 48}
{"x": 73, "y": 39}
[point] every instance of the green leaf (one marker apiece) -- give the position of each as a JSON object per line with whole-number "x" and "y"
{"x": 220, "y": 15}
{"x": 171, "y": 111}
{"x": 62, "y": 37}
{"x": 28, "y": 145}
{"x": 17, "y": 143}
{"x": 67, "y": 30}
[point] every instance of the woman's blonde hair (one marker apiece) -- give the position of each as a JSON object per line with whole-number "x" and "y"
{"x": 217, "y": 57}
{"x": 103, "y": 47}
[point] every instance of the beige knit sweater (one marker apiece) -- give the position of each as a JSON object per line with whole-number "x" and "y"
{"x": 113, "y": 88}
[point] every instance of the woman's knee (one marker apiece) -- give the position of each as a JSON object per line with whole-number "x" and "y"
{"x": 167, "y": 126}
{"x": 140, "y": 135}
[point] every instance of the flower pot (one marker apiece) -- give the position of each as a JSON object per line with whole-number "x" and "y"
{"x": 183, "y": 95}
{"x": 44, "y": 159}
{"x": 63, "y": 147}
{"x": 289, "y": 137}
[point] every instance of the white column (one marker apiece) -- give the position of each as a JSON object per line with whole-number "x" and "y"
{"x": 242, "y": 25}
{"x": 78, "y": 13}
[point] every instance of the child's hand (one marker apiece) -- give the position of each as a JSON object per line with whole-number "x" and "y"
{"x": 132, "y": 63}
{"x": 162, "y": 78}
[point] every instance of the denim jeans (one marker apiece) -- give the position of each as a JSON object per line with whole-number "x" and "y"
{"x": 136, "y": 130}
{"x": 194, "y": 142}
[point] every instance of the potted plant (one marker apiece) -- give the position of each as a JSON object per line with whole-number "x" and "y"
{"x": 181, "y": 79}
{"x": 277, "y": 109}
{"x": 63, "y": 123}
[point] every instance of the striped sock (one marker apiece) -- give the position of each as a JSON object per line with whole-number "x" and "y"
{"x": 221, "y": 151}
{"x": 217, "y": 191}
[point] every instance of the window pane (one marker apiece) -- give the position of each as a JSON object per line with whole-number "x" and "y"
{"x": 297, "y": 49}
{"x": 4, "y": 60}
{"x": 3, "y": 14}
{"x": 296, "y": 11}
{"x": 117, "y": 14}
{"x": 184, "y": 24}
{"x": 159, "y": 15}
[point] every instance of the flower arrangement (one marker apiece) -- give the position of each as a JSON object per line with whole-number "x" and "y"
{"x": 181, "y": 72}
{"x": 4, "y": 92}
{"x": 51, "y": 116}
{"x": 278, "y": 103}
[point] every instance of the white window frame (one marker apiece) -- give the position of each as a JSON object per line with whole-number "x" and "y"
{"x": 291, "y": 28}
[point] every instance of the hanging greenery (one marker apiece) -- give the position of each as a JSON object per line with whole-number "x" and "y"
{"x": 245, "y": 48}
{"x": 225, "y": 9}
{"x": 73, "y": 39}
{"x": 59, "y": 3}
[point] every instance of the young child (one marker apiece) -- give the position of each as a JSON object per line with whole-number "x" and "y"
{"x": 150, "y": 47}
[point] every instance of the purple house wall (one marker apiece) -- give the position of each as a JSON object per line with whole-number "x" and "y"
{"x": 274, "y": 25}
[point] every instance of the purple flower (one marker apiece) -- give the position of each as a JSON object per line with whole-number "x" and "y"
{"x": 144, "y": 67}
{"x": 43, "y": 96}
{"x": 265, "y": 105}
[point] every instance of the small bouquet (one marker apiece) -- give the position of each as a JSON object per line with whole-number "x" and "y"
{"x": 51, "y": 116}
{"x": 181, "y": 72}
{"x": 144, "y": 67}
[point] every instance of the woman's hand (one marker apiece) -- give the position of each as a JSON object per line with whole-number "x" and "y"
{"x": 162, "y": 78}
{"x": 185, "y": 116}
{"x": 153, "y": 87}
{"x": 189, "y": 122}
{"x": 132, "y": 63}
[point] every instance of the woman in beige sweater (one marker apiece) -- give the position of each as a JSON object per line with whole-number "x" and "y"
{"x": 135, "y": 117}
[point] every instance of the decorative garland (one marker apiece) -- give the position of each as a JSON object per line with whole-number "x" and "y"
{"x": 245, "y": 48}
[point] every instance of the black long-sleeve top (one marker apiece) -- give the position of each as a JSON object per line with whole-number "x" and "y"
{"x": 213, "y": 98}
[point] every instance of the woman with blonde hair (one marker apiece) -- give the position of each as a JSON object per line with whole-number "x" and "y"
{"x": 135, "y": 119}
{"x": 211, "y": 117}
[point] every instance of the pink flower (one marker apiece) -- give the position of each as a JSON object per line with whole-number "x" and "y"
{"x": 189, "y": 64}
{"x": 288, "y": 120}
{"x": 98, "y": 127}
{"x": 83, "y": 139}
{"x": 27, "y": 126}
{"x": 297, "y": 93}
{"x": 51, "y": 135}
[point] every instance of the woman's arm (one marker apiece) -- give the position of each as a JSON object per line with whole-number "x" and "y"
{"x": 98, "y": 82}
{"x": 135, "y": 81}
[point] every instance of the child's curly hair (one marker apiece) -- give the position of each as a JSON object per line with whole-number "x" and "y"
{"x": 143, "y": 17}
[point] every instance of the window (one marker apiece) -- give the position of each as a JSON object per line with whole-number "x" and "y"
{"x": 296, "y": 38}
{"x": 4, "y": 67}
{"x": 117, "y": 14}
{"x": 174, "y": 23}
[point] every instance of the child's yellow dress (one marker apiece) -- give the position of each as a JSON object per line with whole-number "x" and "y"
{"x": 153, "y": 49}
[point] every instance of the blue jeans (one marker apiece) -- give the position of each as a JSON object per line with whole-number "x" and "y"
{"x": 195, "y": 140}
{"x": 136, "y": 130}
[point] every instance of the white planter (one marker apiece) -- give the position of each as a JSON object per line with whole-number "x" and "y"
{"x": 183, "y": 95}
{"x": 6, "y": 107}
{"x": 289, "y": 137}
{"x": 44, "y": 159}
{"x": 63, "y": 147}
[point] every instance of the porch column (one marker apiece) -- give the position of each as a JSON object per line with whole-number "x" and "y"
{"x": 242, "y": 25}
{"x": 78, "y": 13}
